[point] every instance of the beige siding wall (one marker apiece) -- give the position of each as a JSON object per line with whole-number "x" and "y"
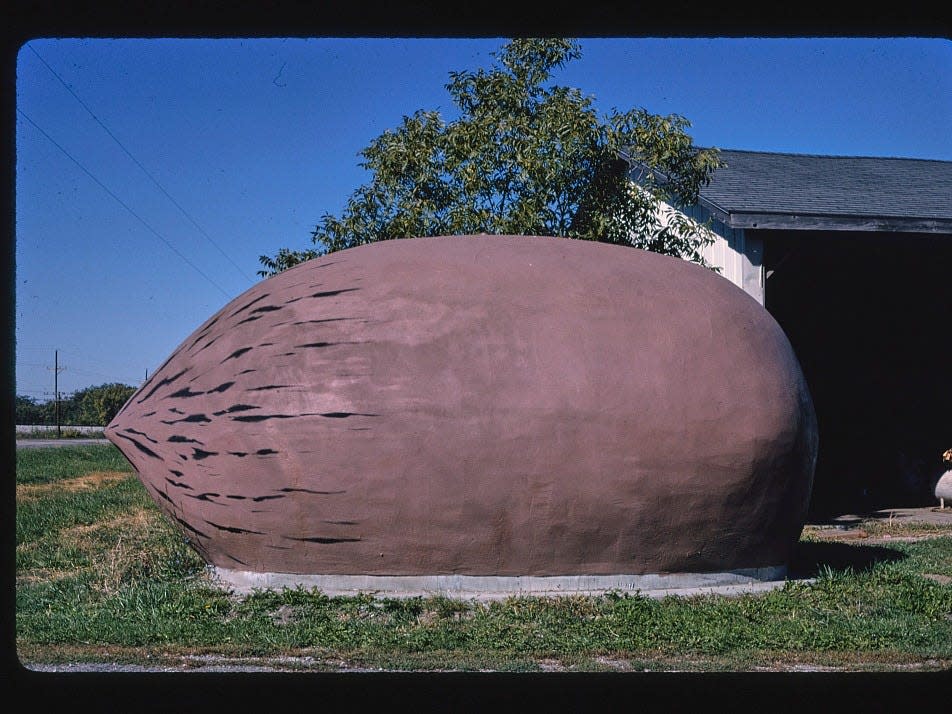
{"x": 740, "y": 260}
{"x": 739, "y": 257}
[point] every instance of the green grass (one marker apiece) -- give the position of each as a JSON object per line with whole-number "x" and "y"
{"x": 50, "y": 464}
{"x": 102, "y": 575}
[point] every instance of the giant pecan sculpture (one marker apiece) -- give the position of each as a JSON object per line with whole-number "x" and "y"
{"x": 482, "y": 406}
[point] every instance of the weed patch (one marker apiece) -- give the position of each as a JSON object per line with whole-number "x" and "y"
{"x": 88, "y": 482}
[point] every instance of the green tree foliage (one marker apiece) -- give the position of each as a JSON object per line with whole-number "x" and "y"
{"x": 29, "y": 411}
{"x": 524, "y": 157}
{"x": 98, "y": 405}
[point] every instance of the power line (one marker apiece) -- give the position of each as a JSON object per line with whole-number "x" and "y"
{"x": 75, "y": 352}
{"x": 83, "y": 372}
{"x": 84, "y": 359}
{"x": 102, "y": 376}
{"x": 139, "y": 164}
{"x": 121, "y": 202}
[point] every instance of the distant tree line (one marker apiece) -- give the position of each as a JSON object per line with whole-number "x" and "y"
{"x": 93, "y": 406}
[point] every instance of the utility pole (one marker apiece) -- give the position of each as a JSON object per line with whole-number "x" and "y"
{"x": 56, "y": 370}
{"x": 56, "y": 390}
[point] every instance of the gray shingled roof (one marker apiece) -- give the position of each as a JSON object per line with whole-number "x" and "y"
{"x": 775, "y": 190}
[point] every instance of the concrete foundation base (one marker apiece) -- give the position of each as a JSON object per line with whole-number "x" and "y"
{"x": 486, "y": 587}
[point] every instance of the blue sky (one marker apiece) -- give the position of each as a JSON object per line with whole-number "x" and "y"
{"x": 255, "y": 139}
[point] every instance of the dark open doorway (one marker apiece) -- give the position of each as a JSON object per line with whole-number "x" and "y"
{"x": 870, "y": 318}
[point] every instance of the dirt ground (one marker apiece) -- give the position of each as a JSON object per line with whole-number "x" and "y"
{"x": 927, "y": 514}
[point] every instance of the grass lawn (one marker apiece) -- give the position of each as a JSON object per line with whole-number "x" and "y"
{"x": 101, "y": 576}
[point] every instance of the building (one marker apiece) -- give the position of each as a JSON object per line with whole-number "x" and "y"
{"x": 853, "y": 257}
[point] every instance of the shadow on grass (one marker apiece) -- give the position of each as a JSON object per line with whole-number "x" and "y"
{"x": 809, "y": 557}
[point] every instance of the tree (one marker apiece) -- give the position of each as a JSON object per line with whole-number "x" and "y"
{"x": 29, "y": 411}
{"x": 524, "y": 157}
{"x": 97, "y": 406}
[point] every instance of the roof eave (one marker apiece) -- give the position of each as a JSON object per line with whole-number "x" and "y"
{"x": 639, "y": 169}
{"x": 821, "y": 222}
